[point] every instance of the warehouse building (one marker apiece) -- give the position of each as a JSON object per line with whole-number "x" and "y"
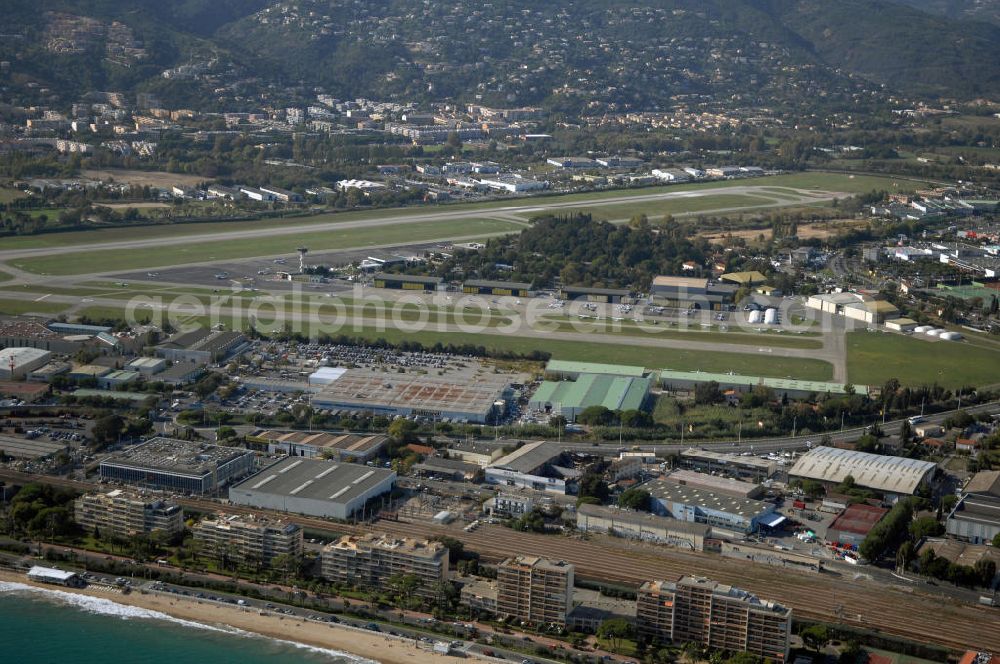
{"x": 55, "y": 577}
{"x": 406, "y": 282}
{"x": 721, "y": 485}
{"x": 203, "y": 346}
{"x": 535, "y": 590}
{"x": 976, "y": 517}
{"x": 178, "y": 465}
{"x": 316, "y": 488}
{"x": 748, "y": 468}
{"x": 794, "y": 389}
{"x": 890, "y": 476}
{"x": 641, "y": 526}
{"x": 499, "y": 288}
{"x": 124, "y": 514}
{"x": 148, "y": 366}
{"x": 691, "y": 293}
{"x": 563, "y": 369}
{"x": 16, "y": 363}
{"x": 855, "y": 306}
{"x": 28, "y": 448}
{"x": 736, "y": 515}
{"x": 248, "y": 540}
{"x": 532, "y": 466}
{"x": 853, "y": 524}
{"x": 370, "y": 560}
{"x": 606, "y": 295}
{"x": 747, "y": 279}
{"x": 339, "y": 446}
{"x": 715, "y": 616}
{"x": 570, "y": 398}
{"x": 479, "y": 396}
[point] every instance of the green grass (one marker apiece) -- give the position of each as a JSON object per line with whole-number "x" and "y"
{"x": 693, "y": 334}
{"x": 5, "y": 277}
{"x": 88, "y": 262}
{"x": 873, "y": 358}
{"x": 676, "y": 206}
{"x": 813, "y": 180}
{"x": 17, "y": 307}
{"x": 8, "y": 194}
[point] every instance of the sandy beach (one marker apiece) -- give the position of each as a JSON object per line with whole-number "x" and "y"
{"x": 389, "y": 650}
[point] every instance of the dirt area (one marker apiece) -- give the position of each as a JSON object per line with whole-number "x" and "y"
{"x": 142, "y": 178}
{"x": 819, "y": 229}
{"x": 137, "y": 206}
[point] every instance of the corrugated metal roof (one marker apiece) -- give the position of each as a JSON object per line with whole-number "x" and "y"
{"x": 882, "y": 473}
{"x": 563, "y": 366}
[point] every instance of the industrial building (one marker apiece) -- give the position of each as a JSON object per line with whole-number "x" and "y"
{"x": 691, "y": 293}
{"x": 855, "y": 306}
{"x": 606, "y": 295}
{"x": 570, "y": 398}
{"x": 123, "y": 514}
{"x": 891, "y": 476}
{"x": 406, "y": 282}
{"x": 535, "y": 590}
{"x": 310, "y": 486}
{"x": 481, "y": 454}
{"x": 716, "y": 616}
{"x": 564, "y": 369}
{"x": 16, "y": 363}
{"x": 853, "y": 524}
{"x": 370, "y": 560}
{"x": 749, "y": 468}
{"x": 475, "y": 398}
{"x": 447, "y": 469}
{"x": 721, "y": 485}
{"x": 30, "y": 448}
{"x": 203, "y": 346}
{"x": 738, "y": 515}
{"x": 976, "y": 517}
{"x": 746, "y": 279}
{"x": 509, "y": 504}
{"x": 178, "y": 465}
{"x": 531, "y": 466}
{"x": 794, "y": 389}
{"x": 340, "y": 446}
{"x": 498, "y": 288}
{"x": 148, "y": 366}
{"x": 642, "y": 526}
{"x": 248, "y": 540}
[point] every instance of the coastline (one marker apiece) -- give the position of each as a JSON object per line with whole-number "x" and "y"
{"x": 358, "y": 644}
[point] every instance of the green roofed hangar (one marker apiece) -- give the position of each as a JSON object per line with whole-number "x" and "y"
{"x": 570, "y": 398}
{"x": 795, "y": 389}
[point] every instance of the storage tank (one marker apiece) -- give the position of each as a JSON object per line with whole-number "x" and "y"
{"x": 951, "y": 336}
{"x": 755, "y": 317}
{"x": 920, "y": 329}
{"x": 933, "y": 332}
{"x": 771, "y": 316}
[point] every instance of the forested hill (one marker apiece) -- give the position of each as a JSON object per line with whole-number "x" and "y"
{"x": 625, "y": 55}
{"x": 977, "y": 10}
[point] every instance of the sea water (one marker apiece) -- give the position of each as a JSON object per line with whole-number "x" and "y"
{"x": 42, "y": 626}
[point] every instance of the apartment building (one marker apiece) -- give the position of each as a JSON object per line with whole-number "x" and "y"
{"x": 245, "y": 540}
{"x": 123, "y": 514}
{"x": 535, "y": 590}
{"x": 370, "y": 560}
{"x": 717, "y": 616}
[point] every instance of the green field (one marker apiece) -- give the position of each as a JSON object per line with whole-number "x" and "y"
{"x": 8, "y": 194}
{"x": 89, "y": 262}
{"x": 655, "y": 209}
{"x": 873, "y": 358}
{"x": 17, "y": 307}
{"x": 817, "y": 181}
{"x": 5, "y": 277}
{"x": 694, "y": 333}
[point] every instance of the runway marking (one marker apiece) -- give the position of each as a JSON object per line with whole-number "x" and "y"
{"x": 39, "y": 299}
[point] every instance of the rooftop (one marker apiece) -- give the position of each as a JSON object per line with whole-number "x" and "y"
{"x": 985, "y": 481}
{"x": 313, "y": 479}
{"x": 721, "y": 485}
{"x": 751, "y": 277}
{"x": 528, "y": 457}
{"x": 538, "y": 562}
{"x": 724, "y": 458}
{"x": 858, "y": 519}
{"x": 402, "y": 545}
{"x": 346, "y": 442}
{"x": 566, "y": 367}
{"x": 664, "y": 281}
{"x": 19, "y": 356}
{"x": 176, "y": 456}
{"x": 882, "y": 473}
{"x": 643, "y": 519}
{"x": 677, "y": 493}
{"x": 776, "y": 384}
{"x": 612, "y": 392}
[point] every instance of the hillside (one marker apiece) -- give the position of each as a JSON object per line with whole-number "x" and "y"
{"x": 975, "y": 10}
{"x": 643, "y": 54}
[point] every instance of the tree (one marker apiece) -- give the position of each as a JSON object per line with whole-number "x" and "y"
{"x": 904, "y": 555}
{"x": 815, "y": 637}
{"x": 615, "y": 630}
{"x": 925, "y": 526}
{"x": 404, "y": 586}
{"x": 996, "y": 540}
{"x": 707, "y": 393}
{"x": 107, "y": 429}
{"x": 403, "y": 430}
{"x": 986, "y": 571}
{"x": 595, "y": 415}
{"x": 635, "y": 499}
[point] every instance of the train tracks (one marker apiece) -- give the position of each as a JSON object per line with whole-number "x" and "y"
{"x": 829, "y": 597}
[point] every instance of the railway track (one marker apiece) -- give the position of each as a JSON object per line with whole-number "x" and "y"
{"x": 829, "y": 597}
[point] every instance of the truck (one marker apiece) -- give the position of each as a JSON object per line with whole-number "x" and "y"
{"x": 987, "y": 600}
